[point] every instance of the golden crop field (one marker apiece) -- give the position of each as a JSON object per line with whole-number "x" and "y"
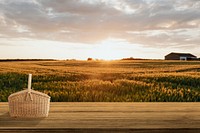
{"x": 105, "y": 81}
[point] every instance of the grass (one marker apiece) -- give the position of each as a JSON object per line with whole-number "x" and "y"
{"x": 105, "y": 81}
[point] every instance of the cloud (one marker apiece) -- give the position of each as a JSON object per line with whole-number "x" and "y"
{"x": 152, "y": 23}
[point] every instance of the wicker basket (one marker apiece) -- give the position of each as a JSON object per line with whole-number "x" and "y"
{"x": 29, "y": 103}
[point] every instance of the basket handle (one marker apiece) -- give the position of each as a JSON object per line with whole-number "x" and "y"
{"x": 29, "y": 87}
{"x": 28, "y": 94}
{"x": 29, "y": 81}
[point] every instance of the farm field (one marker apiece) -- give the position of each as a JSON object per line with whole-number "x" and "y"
{"x": 105, "y": 81}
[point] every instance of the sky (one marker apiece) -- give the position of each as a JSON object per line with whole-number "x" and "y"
{"x": 102, "y": 29}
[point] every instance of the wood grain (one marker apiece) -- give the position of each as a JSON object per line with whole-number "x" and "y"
{"x": 103, "y": 117}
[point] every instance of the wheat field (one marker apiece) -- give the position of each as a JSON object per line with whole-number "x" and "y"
{"x": 105, "y": 81}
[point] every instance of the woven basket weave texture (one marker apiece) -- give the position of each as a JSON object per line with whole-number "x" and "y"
{"x": 29, "y": 103}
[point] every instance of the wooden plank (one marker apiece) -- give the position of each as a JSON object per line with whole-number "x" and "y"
{"x": 108, "y": 116}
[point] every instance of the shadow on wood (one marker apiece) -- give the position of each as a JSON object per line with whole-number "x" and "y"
{"x": 19, "y": 122}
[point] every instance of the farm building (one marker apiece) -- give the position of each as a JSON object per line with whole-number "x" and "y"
{"x": 180, "y": 56}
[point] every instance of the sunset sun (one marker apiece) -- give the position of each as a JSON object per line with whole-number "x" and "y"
{"x": 108, "y": 50}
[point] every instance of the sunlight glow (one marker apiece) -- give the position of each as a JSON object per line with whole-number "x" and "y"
{"x": 109, "y": 49}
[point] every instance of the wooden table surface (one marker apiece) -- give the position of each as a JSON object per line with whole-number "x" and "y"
{"x": 107, "y": 117}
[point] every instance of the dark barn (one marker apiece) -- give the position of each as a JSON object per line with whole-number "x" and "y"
{"x": 180, "y": 56}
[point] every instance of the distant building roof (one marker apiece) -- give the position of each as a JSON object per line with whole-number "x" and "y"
{"x": 178, "y": 56}
{"x": 183, "y": 54}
